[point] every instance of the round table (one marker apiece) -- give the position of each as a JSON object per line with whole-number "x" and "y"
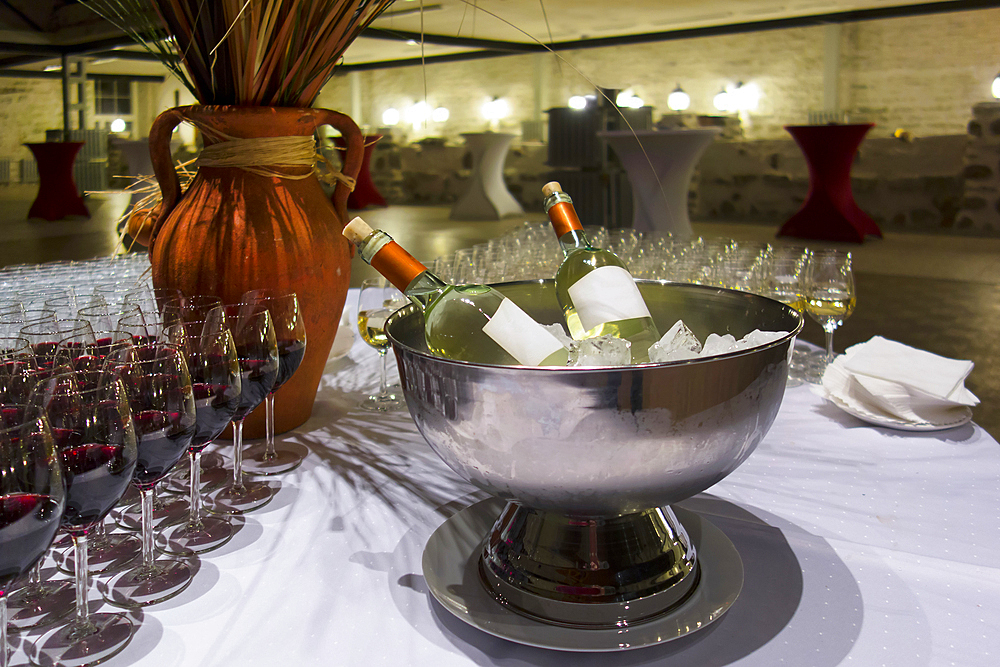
{"x": 659, "y": 164}
{"x": 486, "y": 197}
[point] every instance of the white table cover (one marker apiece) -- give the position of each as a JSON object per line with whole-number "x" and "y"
{"x": 861, "y": 546}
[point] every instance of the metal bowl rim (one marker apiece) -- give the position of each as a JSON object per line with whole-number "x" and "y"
{"x": 404, "y": 311}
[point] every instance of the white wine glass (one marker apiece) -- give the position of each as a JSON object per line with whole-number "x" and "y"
{"x": 830, "y": 296}
{"x": 375, "y": 305}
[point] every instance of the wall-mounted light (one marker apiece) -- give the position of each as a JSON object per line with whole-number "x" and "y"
{"x": 390, "y": 117}
{"x": 440, "y": 115}
{"x": 578, "y": 102}
{"x": 628, "y": 99}
{"x": 496, "y": 109}
{"x": 118, "y": 125}
{"x": 678, "y": 100}
{"x": 722, "y": 101}
{"x": 996, "y": 87}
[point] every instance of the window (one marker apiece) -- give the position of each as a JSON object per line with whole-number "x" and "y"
{"x": 112, "y": 97}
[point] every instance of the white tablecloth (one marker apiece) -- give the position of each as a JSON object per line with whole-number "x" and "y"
{"x": 861, "y": 546}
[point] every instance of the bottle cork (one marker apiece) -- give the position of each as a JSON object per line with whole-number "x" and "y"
{"x": 357, "y": 230}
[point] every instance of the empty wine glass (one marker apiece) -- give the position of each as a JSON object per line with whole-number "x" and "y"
{"x": 374, "y": 308}
{"x": 257, "y": 353}
{"x": 93, "y": 432}
{"x": 32, "y": 497}
{"x": 290, "y": 331}
{"x": 830, "y": 296}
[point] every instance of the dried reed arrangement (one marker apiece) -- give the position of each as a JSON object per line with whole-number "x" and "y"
{"x": 245, "y": 52}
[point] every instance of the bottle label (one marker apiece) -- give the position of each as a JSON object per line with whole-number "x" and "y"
{"x": 607, "y": 294}
{"x": 520, "y": 335}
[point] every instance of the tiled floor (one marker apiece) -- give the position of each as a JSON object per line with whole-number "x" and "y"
{"x": 938, "y": 293}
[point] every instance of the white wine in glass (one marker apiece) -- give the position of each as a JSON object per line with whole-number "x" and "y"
{"x": 374, "y": 308}
{"x": 830, "y": 296}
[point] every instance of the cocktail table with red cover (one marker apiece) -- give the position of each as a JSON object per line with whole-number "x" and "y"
{"x": 365, "y": 193}
{"x": 830, "y": 212}
{"x": 58, "y": 196}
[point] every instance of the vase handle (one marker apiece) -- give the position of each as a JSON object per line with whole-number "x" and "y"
{"x": 352, "y": 157}
{"x": 160, "y": 134}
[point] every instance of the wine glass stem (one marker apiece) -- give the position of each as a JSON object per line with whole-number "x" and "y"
{"x": 383, "y": 385}
{"x": 238, "y": 456}
{"x": 194, "y": 516}
{"x": 35, "y": 576}
{"x": 3, "y": 630}
{"x": 829, "y": 344}
{"x": 82, "y": 576}
{"x": 269, "y": 419}
{"x": 146, "y": 496}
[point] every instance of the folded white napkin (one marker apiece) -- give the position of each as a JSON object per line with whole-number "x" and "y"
{"x": 918, "y": 370}
{"x": 894, "y": 381}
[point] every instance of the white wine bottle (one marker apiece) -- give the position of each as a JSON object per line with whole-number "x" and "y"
{"x": 597, "y": 293}
{"x": 466, "y": 322}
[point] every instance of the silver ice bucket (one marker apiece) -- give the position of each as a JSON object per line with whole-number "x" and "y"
{"x": 590, "y": 459}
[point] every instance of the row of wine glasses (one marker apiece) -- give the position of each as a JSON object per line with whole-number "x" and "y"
{"x": 155, "y": 398}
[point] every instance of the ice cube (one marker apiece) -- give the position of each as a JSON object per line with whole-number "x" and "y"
{"x": 678, "y": 343}
{"x": 716, "y": 344}
{"x": 600, "y": 351}
{"x": 559, "y": 332}
{"x": 756, "y": 338}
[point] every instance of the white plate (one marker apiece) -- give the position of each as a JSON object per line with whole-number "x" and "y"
{"x": 962, "y": 416}
{"x": 451, "y": 569}
{"x": 343, "y": 342}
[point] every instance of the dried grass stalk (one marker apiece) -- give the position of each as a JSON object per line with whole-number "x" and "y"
{"x": 245, "y": 52}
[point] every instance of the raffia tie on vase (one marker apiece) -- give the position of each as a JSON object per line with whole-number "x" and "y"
{"x": 269, "y": 156}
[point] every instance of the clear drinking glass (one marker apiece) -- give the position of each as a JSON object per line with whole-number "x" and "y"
{"x": 373, "y": 311}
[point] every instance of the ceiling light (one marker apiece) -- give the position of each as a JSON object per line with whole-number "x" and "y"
{"x": 52, "y": 68}
{"x": 678, "y": 100}
{"x": 118, "y": 125}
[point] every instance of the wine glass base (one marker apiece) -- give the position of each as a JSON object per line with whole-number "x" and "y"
{"x": 165, "y": 512}
{"x": 112, "y": 553}
{"x": 382, "y": 403}
{"x": 287, "y": 456}
{"x": 253, "y": 496}
{"x": 183, "y": 539}
{"x": 179, "y": 482}
{"x": 148, "y": 585}
{"x": 39, "y": 605}
{"x": 70, "y": 646}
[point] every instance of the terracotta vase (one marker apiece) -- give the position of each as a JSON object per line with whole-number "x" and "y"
{"x": 232, "y": 231}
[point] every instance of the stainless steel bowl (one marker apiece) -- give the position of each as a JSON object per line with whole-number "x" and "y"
{"x": 588, "y": 457}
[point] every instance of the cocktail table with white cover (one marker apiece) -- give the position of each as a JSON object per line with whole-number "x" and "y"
{"x": 660, "y": 164}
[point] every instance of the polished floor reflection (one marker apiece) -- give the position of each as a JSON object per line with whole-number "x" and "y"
{"x": 934, "y": 292}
